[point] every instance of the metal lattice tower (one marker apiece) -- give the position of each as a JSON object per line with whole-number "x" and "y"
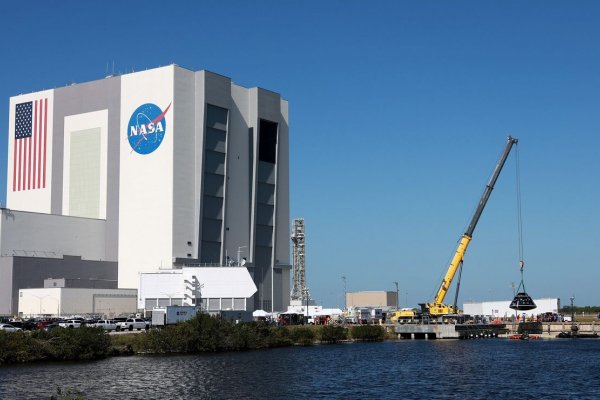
{"x": 299, "y": 289}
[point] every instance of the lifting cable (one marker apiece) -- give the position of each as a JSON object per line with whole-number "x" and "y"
{"x": 519, "y": 216}
{"x": 522, "y": 300}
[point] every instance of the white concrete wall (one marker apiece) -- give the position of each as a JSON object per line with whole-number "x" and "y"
{"x": 41, "y": 301}
{"x": 146, "y": 181}
{"x": 73, "y": 301}
{"x": 215, "y": 282}
{"x": 226, "y": 282}
{"x": 38, "y": 199}
{"x": 160, "y": 285}
{"x": 501, "y": 309}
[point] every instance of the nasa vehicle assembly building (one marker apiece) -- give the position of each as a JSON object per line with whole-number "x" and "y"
{"x": 151, "y": 170}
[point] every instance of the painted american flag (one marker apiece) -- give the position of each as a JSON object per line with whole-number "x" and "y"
{"x": 29, "y": 158}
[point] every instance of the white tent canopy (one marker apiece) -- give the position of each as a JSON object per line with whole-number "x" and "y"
{"x": 260, "y": 313}
{"x": 329, "y": 311}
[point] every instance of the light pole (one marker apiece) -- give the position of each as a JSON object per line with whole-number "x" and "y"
{"x": 344, "y": 280}
{"x": 239, "y": 253}
{"x": 397, "y": 295}
{"x": 306, "y": 295}
{"x": 572, "y": 309}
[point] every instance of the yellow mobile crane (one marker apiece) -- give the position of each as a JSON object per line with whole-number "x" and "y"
{"x": 437, "y": 307}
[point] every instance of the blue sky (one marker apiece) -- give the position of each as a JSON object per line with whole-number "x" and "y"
{"x": 398, "y": 114}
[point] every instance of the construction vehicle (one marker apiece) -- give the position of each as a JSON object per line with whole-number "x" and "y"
{"x": 402, "y": 315}
{"x": 437, "y": 308}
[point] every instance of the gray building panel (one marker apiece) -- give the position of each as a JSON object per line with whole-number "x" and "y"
{"x": 104, "y": 94}
{"x": 30, "y": 272}
{"x": 270, "y": 239}
{"x": 80, "y": 283}
{"x": 113, "y": 161}
{"x": 184, "y": 168}
{"x": 199, "y": 133}
{"x": 239, "y": 172}
{"x": 216, "y": 140}
{"x": 277, "y": 290}
{"x": 215, "y": 186}
{"x": 212, "y": 159}
{"x": 218, "y": 89}
{"x": 282, "y": 224}
{"x": 47, "y": 235}
{"x": 6, "y": 292}
{"x": 268, "y": 104}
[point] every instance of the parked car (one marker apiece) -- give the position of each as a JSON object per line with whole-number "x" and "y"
{"x": 70, "y": 323}
{"x": 9, "y": 328}
{"x": 118, "y": 321}
{"x": 23, "y": 325}
{"x": 106, "y": 324}
{"x": 52, "y": 326}
{"x": 133, "y": 323}
{"x": 42, "y": 324}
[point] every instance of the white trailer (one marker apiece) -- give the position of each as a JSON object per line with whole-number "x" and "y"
{"x": 171, "y": 315}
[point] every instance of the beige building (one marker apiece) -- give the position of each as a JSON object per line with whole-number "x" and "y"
{"x": 72, "y": 301}
{"x": 371, "y": 299}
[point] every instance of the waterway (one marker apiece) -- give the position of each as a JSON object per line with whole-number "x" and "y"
{"x": 441, "y": 369}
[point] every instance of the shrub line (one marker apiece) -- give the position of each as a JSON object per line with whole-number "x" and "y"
{"x": 202, "y": 334}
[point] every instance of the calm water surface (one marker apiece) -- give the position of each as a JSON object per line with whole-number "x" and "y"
{"x": 477, "y": 369}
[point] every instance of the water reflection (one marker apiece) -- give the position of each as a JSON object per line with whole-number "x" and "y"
{"x": 408, "y": 369}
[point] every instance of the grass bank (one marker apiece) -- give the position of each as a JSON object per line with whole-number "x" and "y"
{"x": 59, "y": 344}
{"x": 201, "y": 334}
{"x": 209, "y": 334}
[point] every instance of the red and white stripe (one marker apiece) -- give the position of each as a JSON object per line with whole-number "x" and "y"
{"x": 29, "y": 154}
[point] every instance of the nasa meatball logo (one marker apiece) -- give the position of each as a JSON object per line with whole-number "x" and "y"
{"x": 147, "y": 128}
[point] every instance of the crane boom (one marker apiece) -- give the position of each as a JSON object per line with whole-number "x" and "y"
{"x": 437, "y": 307}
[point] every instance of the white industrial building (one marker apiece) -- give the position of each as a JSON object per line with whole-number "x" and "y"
{"x": 501, "y": 309}
{"x": 212, "y": 289}
{"x": 162, "y": 168}
{"x": 65, "y": 302}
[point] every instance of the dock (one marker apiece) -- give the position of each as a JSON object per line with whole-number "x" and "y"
{"x": 449, "y": 331}
{"x": 431, "y": 331}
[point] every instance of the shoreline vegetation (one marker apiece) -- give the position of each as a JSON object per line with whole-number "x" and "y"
{"x": 202, "y": 334}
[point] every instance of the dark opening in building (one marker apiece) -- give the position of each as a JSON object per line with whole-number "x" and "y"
{"x": 267, "y": 141}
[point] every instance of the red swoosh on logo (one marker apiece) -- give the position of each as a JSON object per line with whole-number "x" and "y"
{"x": 161, "y": 116}
{"x": 154, "y": 121}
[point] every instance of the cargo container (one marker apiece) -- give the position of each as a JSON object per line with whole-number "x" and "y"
{"x": 171, "y": 315}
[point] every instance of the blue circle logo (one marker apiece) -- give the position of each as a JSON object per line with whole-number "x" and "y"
{"x": 147, "y": 128}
